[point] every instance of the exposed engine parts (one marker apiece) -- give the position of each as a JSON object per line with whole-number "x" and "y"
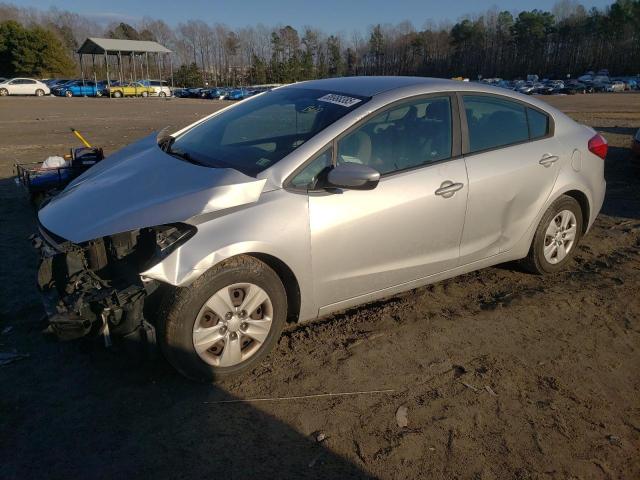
{"x": 95, "y": 288}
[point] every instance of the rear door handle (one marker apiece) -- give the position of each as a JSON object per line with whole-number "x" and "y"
{"x": 448, "y": 189}
{"x": 547, "y": 160}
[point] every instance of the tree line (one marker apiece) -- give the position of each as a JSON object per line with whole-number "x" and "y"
{"x": 567, "y": 40}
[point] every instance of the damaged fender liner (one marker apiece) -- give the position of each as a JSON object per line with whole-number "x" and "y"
{"x": 95, "y": 288}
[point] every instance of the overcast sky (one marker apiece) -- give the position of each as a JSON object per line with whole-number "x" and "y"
{"x": 329, "y": 15}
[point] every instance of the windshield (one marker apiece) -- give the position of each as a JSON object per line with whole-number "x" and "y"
{"x": 255, "y": 135}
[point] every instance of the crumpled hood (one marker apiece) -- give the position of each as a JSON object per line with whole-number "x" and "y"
{"x": 141, "y": 186}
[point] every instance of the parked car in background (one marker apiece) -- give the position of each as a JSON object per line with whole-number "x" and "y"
{"x": 635, "y": 144}
{"x": 617, "y": 86}
{"x": 213, "y": 93}
{"x": 131, "y": 89}
{"x": 23, "y": 86}
{"x": 54, "y": 82}
{"x": 388, "y": 193}
{"x": 181, "y": 93}
{"x": 238, "y": 94}
{"x": 573, "y": 87}
{"x": 79, "y": 88}
{"x": 159, "y": 88}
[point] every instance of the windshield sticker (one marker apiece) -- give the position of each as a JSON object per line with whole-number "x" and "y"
{"x": 339, "y": 100}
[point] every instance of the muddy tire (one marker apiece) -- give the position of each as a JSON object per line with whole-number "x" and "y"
{"x": 197, "y": 324}
{"x": 556, "y": 237}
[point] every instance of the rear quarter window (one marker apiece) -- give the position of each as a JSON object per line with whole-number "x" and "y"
{"x": 538, "y": 123}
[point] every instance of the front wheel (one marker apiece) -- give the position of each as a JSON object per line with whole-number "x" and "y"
{"x": 162, "y": 94}
{"x": 3, "y": 92}
{"x": 556, "y": 237}
{"x": 117, "y": 94}
{"x": 39, "y": 92}
{"x": 225, "y": 322}
{"x": 68, "y": 93}
{"x": 144, "y": 94}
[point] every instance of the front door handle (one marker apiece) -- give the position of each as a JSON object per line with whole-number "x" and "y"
{"x": 547, "y": 160}
{"x": 448, "y": 189}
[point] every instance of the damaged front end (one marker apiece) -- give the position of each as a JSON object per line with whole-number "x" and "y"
{"x": 95, "y": 288}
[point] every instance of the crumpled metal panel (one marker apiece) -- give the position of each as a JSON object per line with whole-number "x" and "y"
{"x": 141, "y": 186}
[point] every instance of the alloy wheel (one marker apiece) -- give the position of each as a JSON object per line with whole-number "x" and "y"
{"x": 232, "y": 325}
{"x": 560, "y": 236}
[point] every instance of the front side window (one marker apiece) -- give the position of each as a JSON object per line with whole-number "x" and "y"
{"x": 410, "y": 135}
{"x": 495, "y": 122}
{"x": 308, "y": 176}
{"x": 256, "y": 134}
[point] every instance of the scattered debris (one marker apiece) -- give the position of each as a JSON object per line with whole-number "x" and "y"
{"x": 475, "y": 389}
{"x": 402, "y": 416}
{"x": 614, "y": 440}
{"x": 319, "y": 437}
{"x": 490, "y": 391}
{"x": 9, "y": 357}
{"x": 316, "y": 458}
{"x": 458, "y": 371}
{"x": 300, "y": 397}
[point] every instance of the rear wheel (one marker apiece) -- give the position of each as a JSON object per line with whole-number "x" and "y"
{"x": 3, "y": 92}
{"x": 144, "y": 94}
{"x": 117, "y": 94}
{"x": 162, "y": 94}
{"x": 556, "y": 237}
{"x": 68, "y": 93}
{"x": 226, "y": 322}
{"x": 39, "y": 92}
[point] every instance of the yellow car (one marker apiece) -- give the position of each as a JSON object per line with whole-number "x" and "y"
{"x": 134, "y": 89}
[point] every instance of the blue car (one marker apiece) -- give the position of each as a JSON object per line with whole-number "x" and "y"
{"x": 239, "y": 94}
{"x": 78, "y": 88}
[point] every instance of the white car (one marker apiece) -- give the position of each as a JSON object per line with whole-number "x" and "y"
{"x": 159, "y": 88}
{"x": 23, "y": 86}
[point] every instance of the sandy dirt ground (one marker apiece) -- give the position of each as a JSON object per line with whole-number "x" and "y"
{"x": 504, "y": 375}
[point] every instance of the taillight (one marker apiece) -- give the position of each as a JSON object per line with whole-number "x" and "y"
{"x": 598, "y": 146}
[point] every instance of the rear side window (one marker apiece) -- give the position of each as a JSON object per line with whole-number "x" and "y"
{"x": 538, "y": 123}
{"x": 494, "y": 122}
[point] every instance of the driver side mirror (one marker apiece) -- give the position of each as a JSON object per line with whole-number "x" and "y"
{"x": 352, "y": 176}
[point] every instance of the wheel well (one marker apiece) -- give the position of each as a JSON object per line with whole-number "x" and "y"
{"x": 289, "y": 281}
{"x": 582, "y": 200}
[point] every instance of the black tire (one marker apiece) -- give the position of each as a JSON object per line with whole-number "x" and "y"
{"x": 181, "y": 306}
{"x": 162, "y": 94}
{"x": 4, "y": 92}
{"x": 39, "y": 92}
{"x": 535, "y": 261}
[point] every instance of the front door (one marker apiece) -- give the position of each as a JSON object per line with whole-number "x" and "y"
{"x": 410, "y": 225}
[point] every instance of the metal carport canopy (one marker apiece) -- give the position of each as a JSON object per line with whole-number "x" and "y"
{"x": 100, "y": 46}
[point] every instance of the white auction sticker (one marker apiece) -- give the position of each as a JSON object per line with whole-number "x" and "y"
{"x": 342, "y": 100}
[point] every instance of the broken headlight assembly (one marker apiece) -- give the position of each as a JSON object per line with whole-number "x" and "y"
{"x": 95, "y": 287}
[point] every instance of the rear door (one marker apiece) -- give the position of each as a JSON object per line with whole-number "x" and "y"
{"x": 512, "y": 160}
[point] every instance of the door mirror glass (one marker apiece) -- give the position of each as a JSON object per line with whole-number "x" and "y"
{"x": 352, "y": 176}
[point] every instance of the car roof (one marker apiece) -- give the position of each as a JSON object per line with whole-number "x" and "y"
{"x": 372, "y": 86}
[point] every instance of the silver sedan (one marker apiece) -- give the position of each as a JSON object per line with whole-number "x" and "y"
{"x": 306, "y": 200}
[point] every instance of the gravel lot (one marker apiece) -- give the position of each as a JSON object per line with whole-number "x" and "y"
{"x": 504, "y": 374}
